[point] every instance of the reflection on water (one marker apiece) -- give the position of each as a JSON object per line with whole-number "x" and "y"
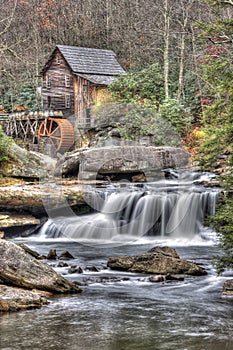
{"x": 132, "y": 314}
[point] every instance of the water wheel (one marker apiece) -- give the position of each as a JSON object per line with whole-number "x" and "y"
{"x": 58, "y": 133}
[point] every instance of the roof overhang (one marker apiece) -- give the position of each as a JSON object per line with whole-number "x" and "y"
{"x": 98, "y": 79}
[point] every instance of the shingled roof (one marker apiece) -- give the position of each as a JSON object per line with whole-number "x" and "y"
{"x": 91, "y": 61}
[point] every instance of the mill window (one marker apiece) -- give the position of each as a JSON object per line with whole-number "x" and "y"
{"x": 67, "y": 81}
{"x": 48, "y": 82}
{"x": 49, "y": 102}
{"x": 67, "y": 101}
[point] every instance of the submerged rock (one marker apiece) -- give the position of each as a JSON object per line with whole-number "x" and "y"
{"x": 62, "y": 264}
{"x": 159, "y": 260}
{"x": 92, "y": 268}
{"x": 19, "y": 268}
{"x": 75, "y": 269}
{"x": 65, "y": 255}
{"x": 156, "y": 278}
{"x": 52, "y": 254}
{"x": 14, "y": 299}
{"x": 171, "y": 278}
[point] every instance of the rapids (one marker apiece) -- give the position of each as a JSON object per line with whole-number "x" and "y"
{"x": 172, "y": 207}
{"x": 125, "y": 311}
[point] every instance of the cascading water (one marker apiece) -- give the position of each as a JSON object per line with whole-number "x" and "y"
{"x": 172, "y": 207}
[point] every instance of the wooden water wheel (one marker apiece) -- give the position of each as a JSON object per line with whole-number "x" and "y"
{"x": 59, "y": 133}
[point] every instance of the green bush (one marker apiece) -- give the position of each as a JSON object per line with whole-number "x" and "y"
{"x": 222, "y": 222}
{"x": 176, "y": 114}
{"x": 26, "y": 97}
{"x": 4, "y": 146}
{"x": 145, "y": 86}
{"x": 135, "y": 121}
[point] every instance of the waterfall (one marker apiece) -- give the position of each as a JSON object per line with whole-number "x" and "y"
{"x": 173, "y": 207}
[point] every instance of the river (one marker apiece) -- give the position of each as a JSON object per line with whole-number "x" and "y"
{"x": 131, "y": 313}
{"x": 125, "y": 311}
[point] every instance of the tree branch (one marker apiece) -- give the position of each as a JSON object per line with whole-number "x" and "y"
{"x": 10, "y": 19}
{"x": 228, "y": 2}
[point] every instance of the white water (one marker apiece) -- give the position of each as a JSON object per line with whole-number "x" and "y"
{"x": 122, "y": 310}
{"x": 171, "y": 209}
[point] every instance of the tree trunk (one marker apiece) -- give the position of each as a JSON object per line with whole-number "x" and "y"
{"x": 181, "y": 69}
{"x": 166, "y": 49}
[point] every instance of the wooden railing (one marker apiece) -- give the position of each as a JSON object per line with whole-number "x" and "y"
{"x": 85, "y": 123}
{"x": 3, "y": 117}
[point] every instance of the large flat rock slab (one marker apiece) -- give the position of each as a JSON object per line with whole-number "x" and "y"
{"x": 15, "y": 299}
{"x": 36, "y": 199}
{"x": 19, "y": 268}
{"x": 88, "y": 163}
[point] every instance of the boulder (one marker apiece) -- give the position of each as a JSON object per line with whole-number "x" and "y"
{"x": 14, "y": 299}
{"x": 159, "y": 260}
{"x": 75, "y": 269}
{"x": 134, "y": 159}
{"x": 21, "y": 269}
{"x": 52, "y": 254}
{"x": 29, "y": 250}
{"x": 27, "y": 164}
{"x": 228, "y": 288}
{"x": 65, "y": 255}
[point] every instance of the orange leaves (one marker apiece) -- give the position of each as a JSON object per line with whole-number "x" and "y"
{"x": 212, "y": 52}
{"x": 48, "y": 11}
{"x": 24, "y": 3}
{"x": 193, "y": 140}
{"x": 19, "y": 108}
{"x": 2, "y": 110}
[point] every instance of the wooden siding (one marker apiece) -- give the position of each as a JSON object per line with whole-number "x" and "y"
{"x": 54, "y": 97}
{"x": 60, "y": 85}
{"x": 85, "y": 95}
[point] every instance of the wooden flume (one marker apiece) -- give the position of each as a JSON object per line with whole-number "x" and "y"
{"x": 40, "y": 129}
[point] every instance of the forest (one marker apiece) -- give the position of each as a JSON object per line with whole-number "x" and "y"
{"x": 183, "y": 37}
{"x": 177, "y": 53}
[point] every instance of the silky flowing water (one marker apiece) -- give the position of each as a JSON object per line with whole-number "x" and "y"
{"x": 124, "y": 311}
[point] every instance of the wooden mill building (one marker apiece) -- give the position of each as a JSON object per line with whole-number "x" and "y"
{"x": 73, "y": 78}
{"x": 73, "y": 81}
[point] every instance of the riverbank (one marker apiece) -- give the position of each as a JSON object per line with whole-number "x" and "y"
{"x": 25, "y": 281}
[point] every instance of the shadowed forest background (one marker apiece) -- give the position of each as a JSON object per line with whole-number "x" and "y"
{"x": 141, "y": 33}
